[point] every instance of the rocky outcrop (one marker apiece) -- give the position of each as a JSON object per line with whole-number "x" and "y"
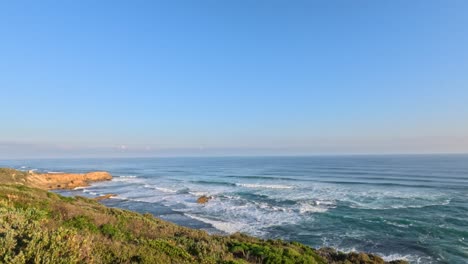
{"x": 336, "y": 257}
{"x": 104, "y": 197}
{"x": 203, "y": 199}
{"x": 52, "y": 181}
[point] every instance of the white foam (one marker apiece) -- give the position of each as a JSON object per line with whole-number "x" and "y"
{"x": 346, "y": 250}
{"x": 388, "y": 204}
{"x": 92, "y": 193}
{"x": 308, "y": 208}
{"x": 410, "y": 258}
{"x": 392, "y": 257}
{"x": 250, "y": 217}
{"x": 120, "y": 197}
{"x": 267, "y": 186}
{"x": 198, "y": 193}
{"x": 55, "y": 172}
{"x": 397, "y": 224}
{"x": 161, "y": 189}
{"x": 126, "y": 176}
{"x": 126, "y": 179}
{"x": 227, "y": 227}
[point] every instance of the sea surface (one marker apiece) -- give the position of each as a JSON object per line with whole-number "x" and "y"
{"x": 413, "y": 207}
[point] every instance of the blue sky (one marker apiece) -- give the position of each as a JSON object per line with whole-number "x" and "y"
{"x": 143, "y": 78}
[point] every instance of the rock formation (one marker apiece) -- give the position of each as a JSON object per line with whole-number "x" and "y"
{"x": 106, "y": 196}
{"x": 51, "y": 181}
{"x": 203, "y": 199}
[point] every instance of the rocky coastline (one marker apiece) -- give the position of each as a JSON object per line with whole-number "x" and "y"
{"x": 43, "y": 225}
{"x": 54, "y": 181}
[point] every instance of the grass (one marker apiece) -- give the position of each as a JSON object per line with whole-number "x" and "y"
{"x": 37, "y": 226}
{"x": 10, "y": 176}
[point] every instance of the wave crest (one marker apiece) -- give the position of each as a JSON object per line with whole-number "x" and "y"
{"x": 264, "y": 186}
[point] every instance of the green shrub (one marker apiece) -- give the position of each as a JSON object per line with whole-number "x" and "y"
{"x": 66, "y": 198}
{"x": 109, "y": 230}
{"x": 170, "y": 250}
{"x": 81, "y": 222}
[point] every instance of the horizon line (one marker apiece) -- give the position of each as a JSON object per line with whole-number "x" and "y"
{"x": 250, "y": 156}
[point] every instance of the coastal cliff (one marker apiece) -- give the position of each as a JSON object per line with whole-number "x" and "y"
{"x": 52, "y": 181}
{"x": 37, "y": 226}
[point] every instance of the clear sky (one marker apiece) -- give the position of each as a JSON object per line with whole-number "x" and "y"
{"x": 143, "y": 78}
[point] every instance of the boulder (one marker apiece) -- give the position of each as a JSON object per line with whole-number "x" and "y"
{"x": 203, "y": 199}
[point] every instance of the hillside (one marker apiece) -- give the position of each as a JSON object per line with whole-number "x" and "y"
{"x": 37, "y": 226}
{"x": 11, "y": 176}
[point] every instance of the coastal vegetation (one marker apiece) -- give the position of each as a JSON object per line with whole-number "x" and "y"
{"x": 37, "y": 226}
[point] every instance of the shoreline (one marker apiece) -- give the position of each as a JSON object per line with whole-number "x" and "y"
{"x": 72, "y": 181}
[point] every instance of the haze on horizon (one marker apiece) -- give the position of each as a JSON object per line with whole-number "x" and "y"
{"x": 207, "y": 78}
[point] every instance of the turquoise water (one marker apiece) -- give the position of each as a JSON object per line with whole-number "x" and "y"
{"x": 412, "y": 207}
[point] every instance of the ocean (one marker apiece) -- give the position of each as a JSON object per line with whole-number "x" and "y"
{"x": 413, "y": 207}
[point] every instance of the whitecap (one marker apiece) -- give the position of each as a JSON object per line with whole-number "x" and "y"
{"x": 346, "y": 250}
{"x": 397, "y": 224}
{"x": 251, "y": 217}
{"x": 126, "y": 176}
{"x": 410, "y": 258}
{"x": 392, "y": 257}
{"x": 120, "y": 197}
{"x": 227, "y": 227}
{"x": 126, "y": 179}
{"x": 91, "y": 192}
{"x": 267, "y": 186}
{"x": 161, "y": 189}
{"x": 309, "y": 208}
{"x": 198, "y": 193}
{"x": 385, "y": 205}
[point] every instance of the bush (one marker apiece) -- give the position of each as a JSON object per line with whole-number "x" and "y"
{"x": 81, "y": 222}
{"x": 109, "y": 230}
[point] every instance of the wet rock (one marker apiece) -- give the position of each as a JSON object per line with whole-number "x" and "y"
{"x": 203, "y": 199}
{"x": 336, "y": 257}
{"x": 106, "y": 196}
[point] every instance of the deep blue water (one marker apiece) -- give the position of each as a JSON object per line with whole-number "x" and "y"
{"x": 413, "y": 207}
